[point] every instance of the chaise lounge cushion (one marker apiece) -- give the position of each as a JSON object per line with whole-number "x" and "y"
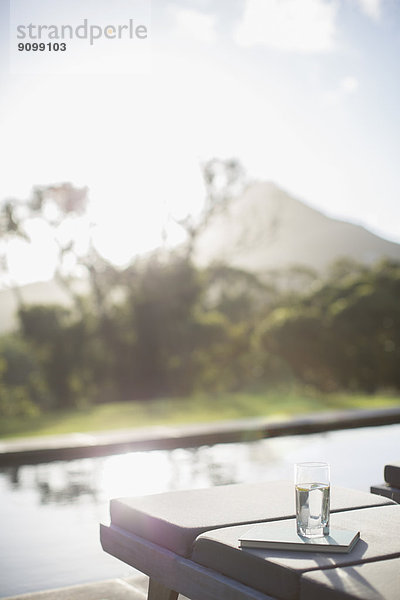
{"x": 387, "y": 491}
{"x": 278, "y": 572}
{"x": 370, "y": 581}
{"x": 173, "y": 520}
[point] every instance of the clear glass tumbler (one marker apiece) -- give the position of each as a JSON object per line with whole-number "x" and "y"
{"x": 312, "y": 489}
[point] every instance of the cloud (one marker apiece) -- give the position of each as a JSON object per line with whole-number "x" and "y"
{"x": 308, "y": 26}
{"x": 371, "y": 8}
{"x": 347, "y": 86}
{"x": 196, "y": 25}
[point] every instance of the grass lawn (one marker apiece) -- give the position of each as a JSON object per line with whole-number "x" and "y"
{"x": 201, "y": 408}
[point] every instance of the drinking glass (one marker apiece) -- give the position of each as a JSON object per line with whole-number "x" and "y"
{"x": 312, "y": 489}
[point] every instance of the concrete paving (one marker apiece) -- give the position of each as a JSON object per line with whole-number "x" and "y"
{"x": 116, "y": 589}
{"x": 134, "y": 588}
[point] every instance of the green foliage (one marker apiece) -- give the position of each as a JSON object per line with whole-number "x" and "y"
{"x": 23, "y": 390}
{"x": 346, "y": 334}
{"x": 178, "y": 344}
{"x": 60, "y": 344}
{"x": 164, "y": 328}
{"x": 238, "y": 294}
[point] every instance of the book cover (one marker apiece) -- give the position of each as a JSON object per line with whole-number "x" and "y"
{"x": 282, "y": 535}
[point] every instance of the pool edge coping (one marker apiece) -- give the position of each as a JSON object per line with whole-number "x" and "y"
{"x": 84, "y": 445}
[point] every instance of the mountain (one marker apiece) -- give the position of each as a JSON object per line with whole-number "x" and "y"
{"x": 267, "y": 229}
{"x": 263, "y": 230}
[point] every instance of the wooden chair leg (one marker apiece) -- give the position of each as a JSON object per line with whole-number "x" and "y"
{"x": 157, "y": 591}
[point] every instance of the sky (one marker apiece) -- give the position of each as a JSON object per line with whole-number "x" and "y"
{"x": 303, "y": 92}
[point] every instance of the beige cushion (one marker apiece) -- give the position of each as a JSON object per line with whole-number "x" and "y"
{"x": 174, "y": 519}
{"x": 370, "y": 581}
{"x": 278, "y": 572}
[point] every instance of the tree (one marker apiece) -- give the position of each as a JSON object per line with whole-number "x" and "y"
{"x": 223, "y": 179}
{"x": 61, "y": 345}
{"x": 59, "y": 207}
{"x": 346, "y": 334}
{"x": 23, "y": 390}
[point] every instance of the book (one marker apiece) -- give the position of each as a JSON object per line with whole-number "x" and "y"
{"x": 282, "y": 535}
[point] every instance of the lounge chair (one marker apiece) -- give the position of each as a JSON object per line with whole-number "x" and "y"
{"x": 187, "y": 542}
{"x": 391, "y": 487}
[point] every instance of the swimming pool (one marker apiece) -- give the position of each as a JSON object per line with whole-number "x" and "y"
{"x": 50, "y": 513}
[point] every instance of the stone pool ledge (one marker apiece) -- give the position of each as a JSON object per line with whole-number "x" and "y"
{"x": 37, "y": 450}
{"x": 111, "y": 589}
